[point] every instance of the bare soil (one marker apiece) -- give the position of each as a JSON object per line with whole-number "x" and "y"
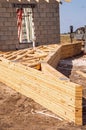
{"x": 18, "y": 112}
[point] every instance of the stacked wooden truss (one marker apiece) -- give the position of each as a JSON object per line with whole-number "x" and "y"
{"x": 31, "y": 72}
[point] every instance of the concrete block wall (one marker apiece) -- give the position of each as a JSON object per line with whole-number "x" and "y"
{"x": 45, "y": 20}
{"x": 8, "y": 26}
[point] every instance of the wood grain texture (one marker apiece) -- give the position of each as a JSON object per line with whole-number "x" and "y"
{"x": 48, "y": 87}
{"x": 61, "y": 97}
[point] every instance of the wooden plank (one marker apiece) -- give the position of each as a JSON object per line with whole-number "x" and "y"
{"x": 81, "y": 73}
{"x": 22, "y": 81}
{"x": 38, "y": 74}
{"x": 53, "y": 58}
{"x": 64, "y": 98}
{"x": 69, "y": 50}
{"x": 19, "y": 55}
{"x": 47, "y": 87}
{"x": 50, "y": 71}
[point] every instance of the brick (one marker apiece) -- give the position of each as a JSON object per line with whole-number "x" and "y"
{"x": 2, "y": 10}
{"x": 7, "y": 23}
{"x": 43, "y": 6}
{"x": 50, "y": 15}
{"x": 25, "y": 45}
{"x": 4, "y": 47}
{"x": 2, "y": 33}
{"x": 4, "y": 15}
{"x": 12, "y": 47}
{"x": 5, "y": 4}
{"x": 43, "y": 15}
{"x": 1, "y": 24}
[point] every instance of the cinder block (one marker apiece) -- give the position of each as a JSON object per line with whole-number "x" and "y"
{"x": 12, "y": 47}
{"x": 2, "y": 10}
{"x": 4, "y": 47}
{"x": 45, "y": 19}
{"x": 23, "y": 45}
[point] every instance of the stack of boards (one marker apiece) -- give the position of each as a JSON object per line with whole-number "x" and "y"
{"x": 30, "y": 57}
{"x": 46, "y": 86}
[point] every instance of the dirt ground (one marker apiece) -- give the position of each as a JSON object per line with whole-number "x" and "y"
{"x": 18, "y": 112}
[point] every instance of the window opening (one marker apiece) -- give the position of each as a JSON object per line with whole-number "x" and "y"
{"x": 25, "y": 25}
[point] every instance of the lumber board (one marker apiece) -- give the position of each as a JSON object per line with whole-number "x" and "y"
{"x": 53, "y": 58}
{"x": 24, "y": 81}
{"x": 48, "y": 87}
{"x": 81, "y": 73}
{"x": 38, "y": 74}
{"x": 48, "y": 53}
{"x": 69, "y": 50}
{"x": 46, "y": 83}
{"x": 44, "y": 89}
{"x": 28, "y": 56}
{"x": 50, "y": 71}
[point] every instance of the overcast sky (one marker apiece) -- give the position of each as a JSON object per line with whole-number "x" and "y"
{"x": 73, "y": 13}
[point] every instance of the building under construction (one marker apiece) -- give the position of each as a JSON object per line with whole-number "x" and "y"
{"x": 32, "y": 71}
{"x": 22, "y": 22}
